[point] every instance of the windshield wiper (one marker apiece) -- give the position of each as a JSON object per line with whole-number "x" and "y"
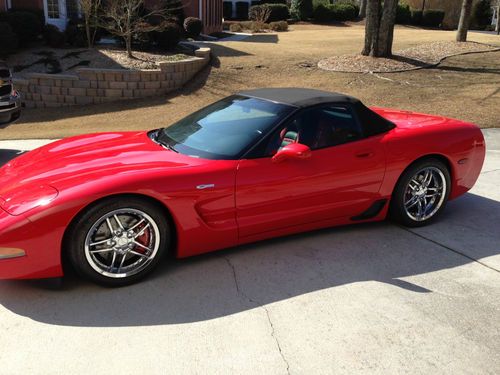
{"x": 155, "y": 137}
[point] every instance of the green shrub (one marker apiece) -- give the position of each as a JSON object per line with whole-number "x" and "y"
{"x": 8, "y": 40}
{"x": 227, "y": 10}
{"x": 432, "y": 17}
{"x": 242, "y": 10}
{"x": 236, "y": 28}
{"x": 322, "y": 13}
{"x": 54, "y": 37}
{"x": 482, "y": 14}
{"x": 416, "y": 17}
{"x": 346, "y": 11}
{"x": 335, "y": 12}
{"x": 279, "y": 12}
{"x": 403, "y": 14}
{"x": 193, "y": 26}
{"x": 279, "y": 26}
{"x": 26, "y": 25}
{"x": 76, "y": 35}
{"x": 169, "y": 37}
{"x": 301, "y": 9}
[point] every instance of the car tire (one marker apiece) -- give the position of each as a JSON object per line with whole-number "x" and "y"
{"x": 118, "y": 241}
{"x": 421, "y": 193}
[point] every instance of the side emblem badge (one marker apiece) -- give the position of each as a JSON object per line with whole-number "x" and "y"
{"x": 205, "y": 186}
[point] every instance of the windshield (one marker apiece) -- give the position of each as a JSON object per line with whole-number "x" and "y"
{"x": 225, "y": 129}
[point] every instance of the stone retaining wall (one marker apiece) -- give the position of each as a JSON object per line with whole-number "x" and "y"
{"x": 92, "y": 86}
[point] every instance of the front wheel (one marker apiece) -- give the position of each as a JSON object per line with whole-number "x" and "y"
{"x": 421, "y": 193}
{"x": 119, "y": 241}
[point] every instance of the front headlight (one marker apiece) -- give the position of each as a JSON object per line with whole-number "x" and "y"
{"x": 27, "y": 197}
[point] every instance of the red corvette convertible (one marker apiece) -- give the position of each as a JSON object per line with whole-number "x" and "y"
{"x": 255, "y": 165}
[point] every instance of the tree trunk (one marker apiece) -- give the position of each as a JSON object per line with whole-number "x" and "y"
{"x": 423, "y": 6}
{"x": 87, "y": 31}
{"x": 497, "y": 27}
{"x": 463, "y": 25}
{"x": 362, "y": 8}
{"x": 128, "y": 44}
{"x": 386, "y": 32}
{"x": 371, "y": 28}
{"x": 379, "y": 30}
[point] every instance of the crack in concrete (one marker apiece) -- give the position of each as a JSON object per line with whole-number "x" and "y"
{"x": 492, "y": 170}
{"x": 244, "y": 295}
{"x": 450, "y": 249}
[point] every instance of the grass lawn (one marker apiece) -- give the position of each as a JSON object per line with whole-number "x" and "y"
{"x": 465, "y": 87}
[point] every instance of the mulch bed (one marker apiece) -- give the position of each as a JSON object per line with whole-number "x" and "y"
{"x": 65, "y": 60}
{"x": 418, "y": 57}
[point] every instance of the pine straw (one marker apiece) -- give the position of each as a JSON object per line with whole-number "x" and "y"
{"x": 421, "y": 56}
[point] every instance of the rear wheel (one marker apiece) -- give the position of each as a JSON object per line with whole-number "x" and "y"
{"x": 119, "y": 241}
{"x": 421, "y": 193}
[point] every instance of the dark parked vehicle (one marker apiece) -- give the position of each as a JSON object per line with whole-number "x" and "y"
{"x": 10, "y": 99}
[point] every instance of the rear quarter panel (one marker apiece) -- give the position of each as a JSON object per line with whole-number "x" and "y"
{"x": 461, "y": 144}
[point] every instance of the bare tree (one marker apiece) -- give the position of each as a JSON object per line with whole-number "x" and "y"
{"x": 497, "y": 26}
{"x": 379, "y": 29}
{"x": 261, "y": 14}
{"x": 89, "y": 10}
{"x": 464, "y": 23}
{"x": 362, "y": 8}
{"x": 126, "y": 18}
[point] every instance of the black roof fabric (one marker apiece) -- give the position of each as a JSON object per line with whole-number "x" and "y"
{"x": 298, "y": 97}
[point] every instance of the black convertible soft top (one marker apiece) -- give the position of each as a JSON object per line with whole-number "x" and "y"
{"x": 298, "y": 97}
{"x": 372, "y": 122}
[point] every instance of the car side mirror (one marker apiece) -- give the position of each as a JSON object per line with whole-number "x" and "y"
{"x": 295, "y": 151}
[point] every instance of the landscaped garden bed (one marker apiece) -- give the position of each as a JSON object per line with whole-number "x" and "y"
{"x": 56, "y": 60}
{"x": 418, "y": 57}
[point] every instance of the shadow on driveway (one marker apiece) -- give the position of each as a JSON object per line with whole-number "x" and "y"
{"x": 240, "y": 279}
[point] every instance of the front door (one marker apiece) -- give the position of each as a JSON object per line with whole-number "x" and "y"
{"x": 341, "y": 179}
{"x": 56, "y": 13}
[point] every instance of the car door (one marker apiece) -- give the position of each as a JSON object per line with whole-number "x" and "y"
{"x": 342, "y": 177}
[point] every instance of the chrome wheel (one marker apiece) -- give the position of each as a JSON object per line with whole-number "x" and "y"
{"x": 425, "y": 193}
{"x": 122, "y": 243}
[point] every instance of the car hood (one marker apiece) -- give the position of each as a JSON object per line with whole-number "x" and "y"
{"x": 85, "y": 157}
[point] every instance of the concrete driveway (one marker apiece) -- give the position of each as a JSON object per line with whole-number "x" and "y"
{"x": 373, "y": 298}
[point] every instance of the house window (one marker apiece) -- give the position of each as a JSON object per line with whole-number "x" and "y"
{"x": 73, "y": 10}
{"x": 53, "y": 8}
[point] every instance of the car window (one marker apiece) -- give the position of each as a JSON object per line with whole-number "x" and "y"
{"x": 224, "y": 130}
{"x": 319, "y": 127}
{"x": 327, "y": 126}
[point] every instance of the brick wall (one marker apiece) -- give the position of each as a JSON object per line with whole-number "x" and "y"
{"x": 92, "y": 86}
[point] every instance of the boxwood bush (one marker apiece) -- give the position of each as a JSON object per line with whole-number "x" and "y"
{"x": 341, "y": 11}
{"x": 403, "y": 14}
{"x": 8, "y": 40}
{"x": 279, "y": 12}
{"x": 279, "y": 26}
{"x": 54, "y": 37}
{"x": 169, "y": 37}
{"x": 193, "y": 27}
{"x": 432, "y": 17}
{"x": 416, "y": 17}
{"x": 26, "y": 25}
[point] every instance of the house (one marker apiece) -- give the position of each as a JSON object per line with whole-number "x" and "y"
{"x": 58, "y": 12}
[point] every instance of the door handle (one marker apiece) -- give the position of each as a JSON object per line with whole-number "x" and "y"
{"x": 365, "y": 154}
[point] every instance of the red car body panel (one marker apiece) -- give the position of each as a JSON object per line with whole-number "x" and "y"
{"x": 41, "y": 192}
